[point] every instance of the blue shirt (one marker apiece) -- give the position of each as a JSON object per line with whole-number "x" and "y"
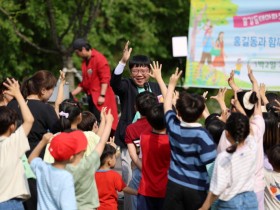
{"x": 192, "y": 148}
{"x": 55, "y": 187}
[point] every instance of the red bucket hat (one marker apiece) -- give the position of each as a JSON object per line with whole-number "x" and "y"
{"x": 64, "y": 145}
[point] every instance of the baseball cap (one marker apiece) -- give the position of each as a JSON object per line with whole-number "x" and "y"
{"x": 64, "y": 145}
{"x": 79, "y": 43}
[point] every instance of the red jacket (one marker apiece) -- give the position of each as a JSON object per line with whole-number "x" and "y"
{"x": 96, "y": 72}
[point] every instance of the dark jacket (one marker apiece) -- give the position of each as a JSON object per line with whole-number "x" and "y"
{"x": 127, "y": 91}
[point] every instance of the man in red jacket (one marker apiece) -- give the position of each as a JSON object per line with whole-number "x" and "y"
{"x": 96, "y": 80}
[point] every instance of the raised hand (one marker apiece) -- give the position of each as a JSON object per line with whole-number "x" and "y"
{"x": 13, "y": 88}
{"x": 175, "y": 77}
{"x": 126, "y": 53}
{"x": 156, "y": 70}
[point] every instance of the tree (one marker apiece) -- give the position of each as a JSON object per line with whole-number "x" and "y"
{"x": 37, "y": 34}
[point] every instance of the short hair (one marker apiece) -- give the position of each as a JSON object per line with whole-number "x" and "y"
{"x": 109, "y": 151}
{"x": 139, "y": 60}
{"x": 238, "y": 127}
{"x": 144, "y": 101}
{"x": 274, "y": 157}
{"x": 190, "y": 106}
{"x": 88, "y": 120}
{"x": 79, "y": 43}
{"x": 69, "y": 110}
{"x": 155, "y": 117}
{"x": 34, "y": 85}
{"x": 8, "y": 117}
{"x": 215, "y": 126}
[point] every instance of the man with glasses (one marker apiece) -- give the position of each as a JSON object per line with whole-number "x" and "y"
{"x": 127, "y": 89}
{"x": 96, "y": 80}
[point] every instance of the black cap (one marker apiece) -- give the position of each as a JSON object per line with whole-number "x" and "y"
{"x": 79, "y": 44}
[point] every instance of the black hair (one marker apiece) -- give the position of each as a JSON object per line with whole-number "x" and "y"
{"x": 155, "y": 117}
{"x": 271, "y": 97}
{"x": 238, "y": 127}
{"x": 34, "y": 85}
{"x": 215, "y": 126}
{"x": 274, "y": 157}
{"x": 8, "y": 117}
{"x": 190, "y": 106}
{"x": 253, "y": 100}
{"x": 88, "y": 120}
{"x": 79, "y": 43}
{"x": 139, "y": 60}
{"x": 271, "y": 135}
{"x": 69, "y": 110}
{"x": 109, "y": 151}
{"x": 144, "y": 101}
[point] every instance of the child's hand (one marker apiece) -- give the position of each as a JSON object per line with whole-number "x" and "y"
{"x": 250, "y": 74}
{"x": 13, "y": 88}
{"x": 204, "y": 95}
{"x": 62, "y": 76}
{"x": 224, "y": 115}
{"x": 231, "y": 79}
{"x": 103, "y": 112}
{"x": 126, "y": 53}
{"x": 220, "y": 97}
{"x": 175, "y": 77}
{"x": 109, "y": 117}
{"x": 156, "y": 70}
{"x": 112, "y": 142}
{"x": 47, "y": 138}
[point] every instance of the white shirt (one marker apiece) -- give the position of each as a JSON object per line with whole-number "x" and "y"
{"x": 272, "y": 190}
{"x": 13, "y": 182}
{"x": 234, "y": 173}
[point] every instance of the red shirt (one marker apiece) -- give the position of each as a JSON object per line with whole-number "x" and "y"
{"x": 134, "y": 130}
{"x": 108, "y": 183}
{"x": 95, "y": 72}
{"x": 155, "y": 150}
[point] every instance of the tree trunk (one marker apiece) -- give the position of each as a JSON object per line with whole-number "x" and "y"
{"x": 70, "y": 71}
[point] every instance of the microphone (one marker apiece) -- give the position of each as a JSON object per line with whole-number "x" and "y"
{"x": 146, "y": 86}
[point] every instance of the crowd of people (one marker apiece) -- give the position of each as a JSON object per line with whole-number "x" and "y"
{"x": 59, "y": 156}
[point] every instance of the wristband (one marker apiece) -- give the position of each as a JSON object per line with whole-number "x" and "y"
{"x": 102, "y": 95}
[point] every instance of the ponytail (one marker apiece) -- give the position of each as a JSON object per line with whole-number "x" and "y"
{"x": 238, "y": 127}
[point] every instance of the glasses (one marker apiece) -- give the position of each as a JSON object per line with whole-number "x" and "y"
{"x": 143, "y": 70}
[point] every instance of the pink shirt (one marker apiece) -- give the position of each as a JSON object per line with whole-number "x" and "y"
{"x": 258, "y": 127}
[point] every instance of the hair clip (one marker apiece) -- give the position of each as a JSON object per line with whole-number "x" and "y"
{"x": 64, "y": 114}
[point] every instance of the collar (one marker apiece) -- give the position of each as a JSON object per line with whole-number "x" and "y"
{"x": 190, "y": 125}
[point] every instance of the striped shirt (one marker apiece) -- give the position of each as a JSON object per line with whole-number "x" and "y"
{"x": 192, "y": 148}
{"x": 234, "y": 173}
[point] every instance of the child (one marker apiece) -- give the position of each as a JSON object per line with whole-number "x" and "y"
{"x": 272, "y": 179}
{"x": 232, "y": 180}
{"x": 109, "y": 181}
{"x": 83, "y": 168}
{"x": 254, "y": 112}
{"x": 13, "y": 145}
{"x": 55, "y": 185}
{"x": 155, "y": 154}
{"x": 192, "y": 148}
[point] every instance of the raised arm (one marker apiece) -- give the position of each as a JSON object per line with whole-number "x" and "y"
{"x": 170, "y": 90}
{"x": 262, "y": 94}
{"x": 44, "y": 141}
{"x": 13, "y": 89}
{"x": 205, "y": 112}
{"x": 60, "y": 92}
{"x": 220, "y": 98}
{"x": 255, "y": 86}
{"x": 231, "y": 82}
{"x": 106, "y": 133}
{"x": 156, "y": 74}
